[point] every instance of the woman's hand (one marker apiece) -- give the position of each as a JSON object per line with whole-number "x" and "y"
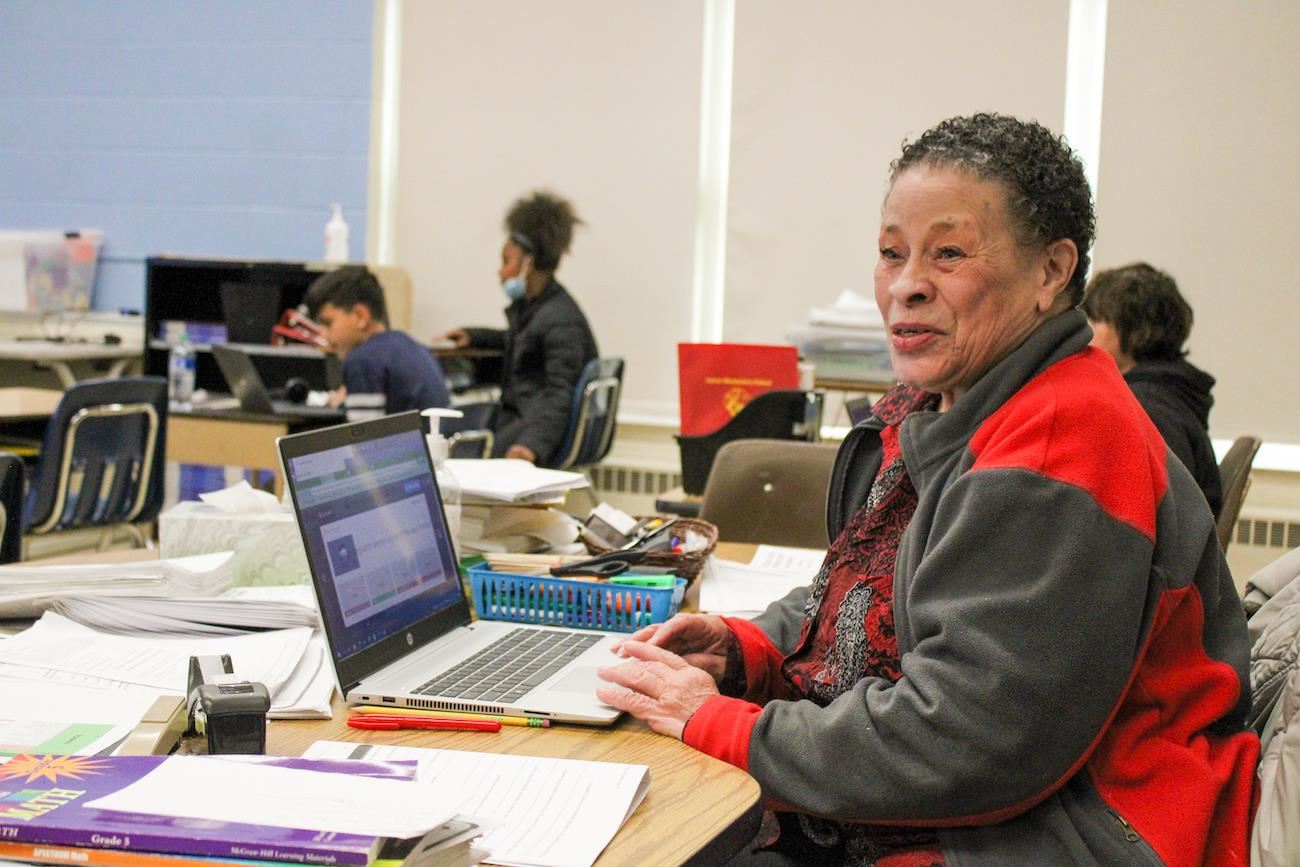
{"x": 656, "y": 686}
{"x": 701, "y": 640}
{"x": 458, "y": 336}
{"x": 524, "y": 453}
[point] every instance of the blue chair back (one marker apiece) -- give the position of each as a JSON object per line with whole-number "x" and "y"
{"x": 102, "y": 457}
{"x": 592, "y": 415}
{"x": 11, "y": 507}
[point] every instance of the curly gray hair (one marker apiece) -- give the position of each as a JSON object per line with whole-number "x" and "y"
{"x": 1048, "y": 197}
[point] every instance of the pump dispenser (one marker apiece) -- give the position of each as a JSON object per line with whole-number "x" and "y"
{"x": 439, "y": 450}
{"x": 336, "y": 236}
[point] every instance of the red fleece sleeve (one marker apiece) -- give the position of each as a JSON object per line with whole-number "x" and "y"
{"x": 721, "y": 728}
{"x": 763, "y": 679}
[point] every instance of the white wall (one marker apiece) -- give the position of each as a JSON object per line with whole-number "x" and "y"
{"x": 824, "y": 95}
{"x": 601, "y": 102}
{"x": 1200, "y": 177}
{"x": 598, "y": 101}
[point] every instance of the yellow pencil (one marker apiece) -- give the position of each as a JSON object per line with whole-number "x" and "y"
{"x": 411, "y": 711}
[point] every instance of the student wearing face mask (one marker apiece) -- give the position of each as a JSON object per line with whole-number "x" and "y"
{"x": 547, "y": 340}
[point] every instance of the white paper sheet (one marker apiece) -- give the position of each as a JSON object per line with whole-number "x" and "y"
{"x": 541, "y": 811}
{"x": 202, "y": 788}
{"x": 743, "y": 590}
{"x": 779, "y": 558}
{"x": 62, "y": 718}
{"x": 511, "y": 481}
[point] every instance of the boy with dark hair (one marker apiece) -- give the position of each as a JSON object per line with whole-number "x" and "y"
{"x": 348, "y": 303}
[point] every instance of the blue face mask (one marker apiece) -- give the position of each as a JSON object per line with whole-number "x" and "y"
{"x": 514, "y": 287}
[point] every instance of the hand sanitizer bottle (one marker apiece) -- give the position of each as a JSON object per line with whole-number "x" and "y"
{"x": 180, "y": 373}
{"x": 439, "y": 449}
{"x": 336, "y": 236}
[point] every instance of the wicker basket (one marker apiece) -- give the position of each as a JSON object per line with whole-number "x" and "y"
{"x": 687, "y": 564}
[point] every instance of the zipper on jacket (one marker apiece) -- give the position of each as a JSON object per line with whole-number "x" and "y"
{"x": 1129, "y": 834}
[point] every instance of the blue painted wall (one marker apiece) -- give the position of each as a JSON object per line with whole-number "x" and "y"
{"x": 221, "y": 129}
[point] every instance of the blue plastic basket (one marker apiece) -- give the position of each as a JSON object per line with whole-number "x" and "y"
{"x": 547, "y": 601}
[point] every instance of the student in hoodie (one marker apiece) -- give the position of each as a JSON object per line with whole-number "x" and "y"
{"x": 547, "y": 341}
{"x": 1139, "y": 317}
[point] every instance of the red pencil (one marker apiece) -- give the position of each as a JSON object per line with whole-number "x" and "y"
{"x": 381, "y": 722}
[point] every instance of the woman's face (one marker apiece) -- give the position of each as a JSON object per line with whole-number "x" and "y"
{"x": 1106, "y": 338}
{"x": 956, "y": 291}
{"x": 512, "y": 261}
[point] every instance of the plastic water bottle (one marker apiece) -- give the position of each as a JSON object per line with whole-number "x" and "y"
{"x": 180, "y": 373}
{"x": 336, "y": 236}
{"x": 439, "y": 450}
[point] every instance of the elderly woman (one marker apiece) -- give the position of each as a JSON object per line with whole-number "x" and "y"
{"x": 1024, "y": 646}
{"x": 1141, "y": 319}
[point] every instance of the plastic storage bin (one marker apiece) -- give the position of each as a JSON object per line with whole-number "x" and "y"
{"x": 546, "y": 601}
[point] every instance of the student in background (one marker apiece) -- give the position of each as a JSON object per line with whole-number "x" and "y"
{"x": 1139, "y": 317}
{"x": 547, "y": 341}
{"x": 348, "y": 303}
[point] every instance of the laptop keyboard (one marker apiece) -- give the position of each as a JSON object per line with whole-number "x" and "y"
{"x": 510, "y": 666}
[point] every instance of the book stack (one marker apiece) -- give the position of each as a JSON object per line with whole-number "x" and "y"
{"x": 502, "y": 529}
{"x": 506, "y": 506}
{"x": 129, "y": 812}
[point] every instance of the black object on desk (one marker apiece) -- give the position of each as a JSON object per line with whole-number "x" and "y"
{"x": 231, "y": 712}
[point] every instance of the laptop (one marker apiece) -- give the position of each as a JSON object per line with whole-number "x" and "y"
{"x": 396, "y": 618}
{"x": 247, "y": 386}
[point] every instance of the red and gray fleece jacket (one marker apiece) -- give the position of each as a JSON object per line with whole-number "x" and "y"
{"x": 1074, "y": 653}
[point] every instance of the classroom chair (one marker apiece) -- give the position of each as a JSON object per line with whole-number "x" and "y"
{"x": 1234, "y": 473}
{"x": 592, "y": 416}
{"x": 770, "y": 492}
{"x": 11, "y": 507}
{"x": 774, "y": 415}
{"x": 470, "y": 436}
{"x": 102, "y": 458}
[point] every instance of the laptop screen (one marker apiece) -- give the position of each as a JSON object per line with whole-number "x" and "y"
{"x": 375, "y": 536}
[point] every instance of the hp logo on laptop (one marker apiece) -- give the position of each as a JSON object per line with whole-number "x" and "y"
{"x": 410, "y": 640}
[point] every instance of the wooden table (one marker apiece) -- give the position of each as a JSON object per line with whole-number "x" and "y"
{"x": 28, "y": 404}
{"x": 698, "y": 810}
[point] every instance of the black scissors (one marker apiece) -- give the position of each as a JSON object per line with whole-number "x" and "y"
{"x": 613, "y": 563}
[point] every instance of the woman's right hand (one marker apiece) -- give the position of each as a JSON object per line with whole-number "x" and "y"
{"x": 458, "y": 336}
{"x": 700, "y": 639}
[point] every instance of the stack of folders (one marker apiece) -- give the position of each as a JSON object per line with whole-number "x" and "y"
{"x": 153, "y": 811}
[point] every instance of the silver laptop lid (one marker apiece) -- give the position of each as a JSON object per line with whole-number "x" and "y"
{"x": 376, "y": 538}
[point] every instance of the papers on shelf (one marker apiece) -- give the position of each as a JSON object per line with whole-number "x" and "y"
{"x": 26, "y": 591}
{"x": 502, "y": 528}
{"x": 198, "y": 787}
{"x": 746, "y": 589}
{"x": 58, "y": 650}
{"x": 541, "y": 811}
{"x": 68, "y": 720}
{"x": 506, "y": 480}
{"x": 850, "y": 310}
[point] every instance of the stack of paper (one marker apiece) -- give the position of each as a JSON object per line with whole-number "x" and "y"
{"x": 746, "y": 589}
{"x": 538, "y": 811}
{"x": 506, "y": 480}
{"x": 236, "y": 611}
{"x": 26, "y": 591}
{"x": 513, "y": 529}
{"x": 46, "y": 718}
{"x": 288, "y": 661}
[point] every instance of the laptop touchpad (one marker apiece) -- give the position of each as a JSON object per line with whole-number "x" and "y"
{"x": 582, "y": 679}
